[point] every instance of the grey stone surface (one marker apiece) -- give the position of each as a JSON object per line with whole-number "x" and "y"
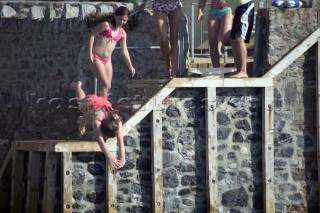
{"x": 36, "y": 104}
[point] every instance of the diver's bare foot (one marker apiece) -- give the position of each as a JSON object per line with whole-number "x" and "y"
{"x": 75, "y": 84}
{"x": 238, "y": 75}
{"x": 82, "y": 125}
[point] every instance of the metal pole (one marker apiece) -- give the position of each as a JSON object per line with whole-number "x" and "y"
{"x": 192, "y": 32}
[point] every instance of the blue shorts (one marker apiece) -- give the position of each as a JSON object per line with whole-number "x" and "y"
{"x": 243, "y": 22}
{"x": 218, "y": 14}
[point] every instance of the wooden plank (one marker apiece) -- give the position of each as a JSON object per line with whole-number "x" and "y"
{"x": 111, "y": 188}
{"x": 7, "y": 164}
{"x": 211, "y": 151}
{"x": 150, "y": 83}
{"x": 58, "y": 146}
{"x": 50, "y": 183}
{"x": 317, "y": 62}
{"x": 293, "y": 54}
{"x": 17, "y": 186}
{"x": 33, "y": 185}
{"x": 219, "y": 82}
{"x": 212, "y": 71}
{"x": 146, "y": 109}
{"x": 36, "y": 145}
{"x": 157, "y": 174}
{"x": 268, "y": 150}
{"x": 67, "y": 182}
{"x": 78, "y": 146}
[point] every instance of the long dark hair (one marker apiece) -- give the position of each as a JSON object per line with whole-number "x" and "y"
{"x": 93, "y": 19}
{"x": 110, "y": 125}
{"x": 120, "y": 11}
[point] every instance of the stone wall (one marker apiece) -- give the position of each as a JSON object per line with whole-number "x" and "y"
{"x": 35, "y": 103}
{"x": 43, "y": 47}
{"x": 295, "y": 140}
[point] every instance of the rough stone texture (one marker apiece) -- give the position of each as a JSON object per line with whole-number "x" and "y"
{"x": 35, "y": 102}
{"x": 295, "y": 112}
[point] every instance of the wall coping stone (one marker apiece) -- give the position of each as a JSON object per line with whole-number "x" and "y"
{"x": 55, "y": 10}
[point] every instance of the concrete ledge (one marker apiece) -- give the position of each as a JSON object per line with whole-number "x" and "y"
{"x": 36, "y": 10}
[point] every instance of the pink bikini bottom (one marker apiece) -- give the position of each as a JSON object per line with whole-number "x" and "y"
{"x": 104, "y": 61}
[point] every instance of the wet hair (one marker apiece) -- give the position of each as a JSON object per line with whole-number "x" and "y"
{"x": 110, "y": 125}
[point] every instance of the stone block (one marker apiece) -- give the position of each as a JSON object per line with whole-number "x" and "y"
{"x": 7, "y": 12}
{"x": 87, "y": 9}
{"x": 71, "y": 12}
{"x": 38, "y": 12}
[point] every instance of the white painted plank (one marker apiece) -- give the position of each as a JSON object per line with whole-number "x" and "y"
{"x": 66, "y": 182}
{"x": 219, "y": 82}
{"x": 211, "y": 151}
{"x": 293, "y": 54}
{"x": 268, "y": 150}
{"x": 111, "y": 188}
{"x": 157, "y": 168}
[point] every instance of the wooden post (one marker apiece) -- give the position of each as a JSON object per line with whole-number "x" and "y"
{"x": 49, "y": 182}
{"x": 211, "y": 151}
{"x": 317, "y": 62}
{"x": 17, "y": 187}
{"x": 67, "y": 182}
{"x": 111, "y": 188}
{"x": 268, "y": 151}
{"x": 157, "y": 177}
{"x": 33, "y": 187}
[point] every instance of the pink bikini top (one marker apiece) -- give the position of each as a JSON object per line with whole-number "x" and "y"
{"x": 108, "y": 34}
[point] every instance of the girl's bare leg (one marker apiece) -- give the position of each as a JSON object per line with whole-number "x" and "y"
{"x": 82, "y": 120}
{"x": 225, "y": 28}
{"x": 214, "y": 40}
{"x": 102, "y": 73}
{"x": 220, "y": 48}
{"x": 76, "y": 86}
{"x": 162, "y": 29}
{"x": 174, "y": 23}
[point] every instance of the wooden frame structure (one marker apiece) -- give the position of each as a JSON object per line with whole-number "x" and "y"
{"x": 16, "y": 159}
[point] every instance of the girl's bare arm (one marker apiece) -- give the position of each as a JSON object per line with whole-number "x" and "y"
{"x": 103, "y": 145}
{"x": 125, "y": 53}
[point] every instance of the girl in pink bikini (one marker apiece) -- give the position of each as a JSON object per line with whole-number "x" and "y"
{"x": 105, "y": 122}
{"x": 102, "y": 42}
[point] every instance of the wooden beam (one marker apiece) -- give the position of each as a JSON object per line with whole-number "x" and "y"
{"x": 7, "y": 164}
{"x": 219, "y": 82}
{"x": 33, "y": 186}
{"x": 17, "y": 186}
{"x": 317, "y": 62}
{"x": 293, "y": 54}
{"x": 36, "y": 145}
{"x": 78, "y": 146}
{"x": 50, "y": 183}
{"x": 111, "y": 188}
{"x": 212, "y": 71}
{"x": 67, "y": 182}
{"x": 146, "y": 109}
{"x": 211, "y": 151}
{"x": 157, "y": 169}
{"x": 268, "y": 150}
